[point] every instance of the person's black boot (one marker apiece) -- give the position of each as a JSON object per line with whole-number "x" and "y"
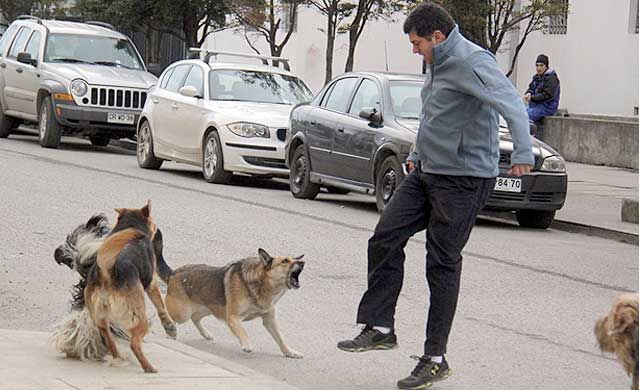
{"x": 425, "y": 374}
{"x": 370, "y": 339}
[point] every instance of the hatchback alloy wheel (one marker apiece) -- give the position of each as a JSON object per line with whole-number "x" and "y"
{"x": 144, "y": 143}
{"x": 144, "y": 151}
{"x": 213, "y": 161}
{"x": 211, "y": 156}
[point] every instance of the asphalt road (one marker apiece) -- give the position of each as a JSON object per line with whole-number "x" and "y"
{"x": 527, "y": 305}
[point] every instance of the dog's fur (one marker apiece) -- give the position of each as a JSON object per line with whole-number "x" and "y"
{"x": 240, "y": 291}
{"x": 126, "y": 268}
{"x": 77, "y": 336}
{"x": 617, "y": 332}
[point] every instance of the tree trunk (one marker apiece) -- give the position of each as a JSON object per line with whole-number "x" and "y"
{"x": 331, "y": 37}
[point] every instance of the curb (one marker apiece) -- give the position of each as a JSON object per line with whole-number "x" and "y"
{"x": 570, "y": 227}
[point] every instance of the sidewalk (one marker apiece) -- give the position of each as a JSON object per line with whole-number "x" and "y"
{"x": 30, "y": 362}
{"x": 595, "y": 194}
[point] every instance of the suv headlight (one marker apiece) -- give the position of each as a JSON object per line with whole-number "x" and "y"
{"x": 553, "y": 164}
{"x": 245, "y": 129}
{"x": 79, "y": 88}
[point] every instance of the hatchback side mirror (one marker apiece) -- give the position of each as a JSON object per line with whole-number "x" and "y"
{"x": 371, "y": 114}
{"x": 25, "y": 58}
{"x": 190, "y": 91}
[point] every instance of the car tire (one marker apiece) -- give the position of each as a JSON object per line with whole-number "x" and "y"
{"x": 213, "y": 161}
{"x": 388, "y": 178}
{"x": 337, "y": 190}
{"x": 99, "y": 140}
{"x": 6, "y": 124}
{"x": 535, "y": 219}
{"x": 300, "y": 175}
{"x": 49, "y": 130}
{"x": 144, "y": 148}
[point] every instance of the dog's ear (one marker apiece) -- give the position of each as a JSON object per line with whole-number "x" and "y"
{"x": 625, "y": 316}
{"x": 299, "y": 257}
{"x": 95, "y": 221}
{"x": 265, "y": 257}
{"x": 146, "y": 209}
{"x": 120, "y": 211}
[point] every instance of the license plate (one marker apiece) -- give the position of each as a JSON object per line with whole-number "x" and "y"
{"x": 115, "y": 117}
{"x": 508, "y": 184}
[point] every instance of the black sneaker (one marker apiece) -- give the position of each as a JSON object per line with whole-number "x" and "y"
{"x": 425, "y": 374}
{"x": 370, "y": 339}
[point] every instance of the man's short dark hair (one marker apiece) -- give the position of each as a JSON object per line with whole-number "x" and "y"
{"x": 427, "y": 18}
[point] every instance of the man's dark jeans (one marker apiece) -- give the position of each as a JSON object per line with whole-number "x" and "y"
{"x": 447, "y": 207}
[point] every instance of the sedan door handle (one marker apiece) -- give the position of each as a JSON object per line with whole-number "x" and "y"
{"x": 313, "y": 123}
{"x": 340, "y": 129}
{"x": 174, "y": 106}
{"x": 19, "y": 70}
{"x": 3, "y": 65}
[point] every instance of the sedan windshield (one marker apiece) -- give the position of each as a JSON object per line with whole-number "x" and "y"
{"x": 259, "y": 87}
{"x": 405, "y": 98}
{"x": 90, "y": 49}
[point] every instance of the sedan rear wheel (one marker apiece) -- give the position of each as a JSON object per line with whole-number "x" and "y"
{"x": 6, "y": 124}
{"x": 213, "y": 161}
{"x": 146, "y": 157}
{"x": 536, "y": 219}
{"x": 300, "y": 175}
{"x": 388, "y": 179}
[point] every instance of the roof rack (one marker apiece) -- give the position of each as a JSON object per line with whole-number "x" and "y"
{"x": 101, "y": 24}
{"x": 29, "y": 17}
{"x": 215, "y": 54}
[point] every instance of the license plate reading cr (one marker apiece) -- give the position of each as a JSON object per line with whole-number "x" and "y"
{"x": 508, "y": 184}
{"x": 115, "y": 117}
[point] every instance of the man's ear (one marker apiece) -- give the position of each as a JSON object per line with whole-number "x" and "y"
{"x": 438, "y": 36}
{"x": 265, "y": 257}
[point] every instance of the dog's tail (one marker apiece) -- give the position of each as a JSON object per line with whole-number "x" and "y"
{"x": 163, "y": 268}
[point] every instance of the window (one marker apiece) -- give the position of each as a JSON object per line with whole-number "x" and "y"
{"x": 33, "y": 47}
{"x": 19, "y": 42}
{"x": 366, "y": 97}
{"x": 175, "y": 81}
{"x": 340, "y": 94}
{"x": 633, "y": 17}
{"x": 6, "y": 38}
{"x": 101, "y": 50}
{"x": 558, "y": 23}
{"x": 165, "y": 78}
{"x": 289, "y": 14}
{"x": 259, "y": 87}
{"x": 196, "y": 79}
{"x": 405, "y": 98}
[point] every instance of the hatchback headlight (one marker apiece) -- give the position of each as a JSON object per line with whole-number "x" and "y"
{"x": 79, "y": 88}
{"x": 245, "y": 129}
{"x": 553, "y": 164}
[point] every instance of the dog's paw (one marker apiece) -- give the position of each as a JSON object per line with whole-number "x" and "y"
{"x": 150, "y": 370}
{"x": 171, "y": 330}
{"x": 118, "y": 362}
{"x": 247, "y": 349}
{"x": 293, "y": 354}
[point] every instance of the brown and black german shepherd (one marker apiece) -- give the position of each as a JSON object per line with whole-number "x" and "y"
{"x": 124, "y": 270}
{"x": 240, "y": 291}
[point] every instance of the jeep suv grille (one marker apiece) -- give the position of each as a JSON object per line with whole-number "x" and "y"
{"x": 117, "y": 98}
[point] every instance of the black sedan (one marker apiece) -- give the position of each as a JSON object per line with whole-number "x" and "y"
{"x": 358, "y": 131}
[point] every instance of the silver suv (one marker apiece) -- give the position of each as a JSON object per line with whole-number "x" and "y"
{"x": 71, "y": 79}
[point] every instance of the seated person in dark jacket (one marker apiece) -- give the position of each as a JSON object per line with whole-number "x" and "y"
{"x": 543, "y": 93}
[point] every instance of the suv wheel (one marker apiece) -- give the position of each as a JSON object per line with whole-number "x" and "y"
{"x": 6, "y": 124}
{"x": 144, "y": 151}
{"x": 99, "y": 140}
{"x": 49, "y": 130}
{"x": 535, "y": 219}
{"x": 300, "y": 175}
{"x": 213, "y": 161}
{"x": 387, "y": 180}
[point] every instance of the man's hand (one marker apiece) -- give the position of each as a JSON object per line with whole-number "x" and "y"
{"x": 519, "y": 169}
{"x": 527, "y": 97}
{"x": 410, "y": 166}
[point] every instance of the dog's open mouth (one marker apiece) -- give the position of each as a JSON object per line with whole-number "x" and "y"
{"x": 294, "y": 275}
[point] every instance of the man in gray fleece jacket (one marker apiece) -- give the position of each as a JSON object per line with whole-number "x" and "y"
{"x": 452, "y": 175}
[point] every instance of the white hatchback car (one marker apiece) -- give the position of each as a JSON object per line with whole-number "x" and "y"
{"x": 224, "y": 117}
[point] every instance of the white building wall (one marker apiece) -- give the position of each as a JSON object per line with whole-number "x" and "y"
{"x": 597, "y": 60}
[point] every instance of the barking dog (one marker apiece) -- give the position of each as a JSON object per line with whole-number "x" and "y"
{"x": 77, "y": 336}
{"x": 239, "y": 291}
{"x": 126, "y": 268}
{"x": 617, "y": 332}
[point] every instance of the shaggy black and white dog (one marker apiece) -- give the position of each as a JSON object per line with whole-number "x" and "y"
{"x": 77, "y": 336}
